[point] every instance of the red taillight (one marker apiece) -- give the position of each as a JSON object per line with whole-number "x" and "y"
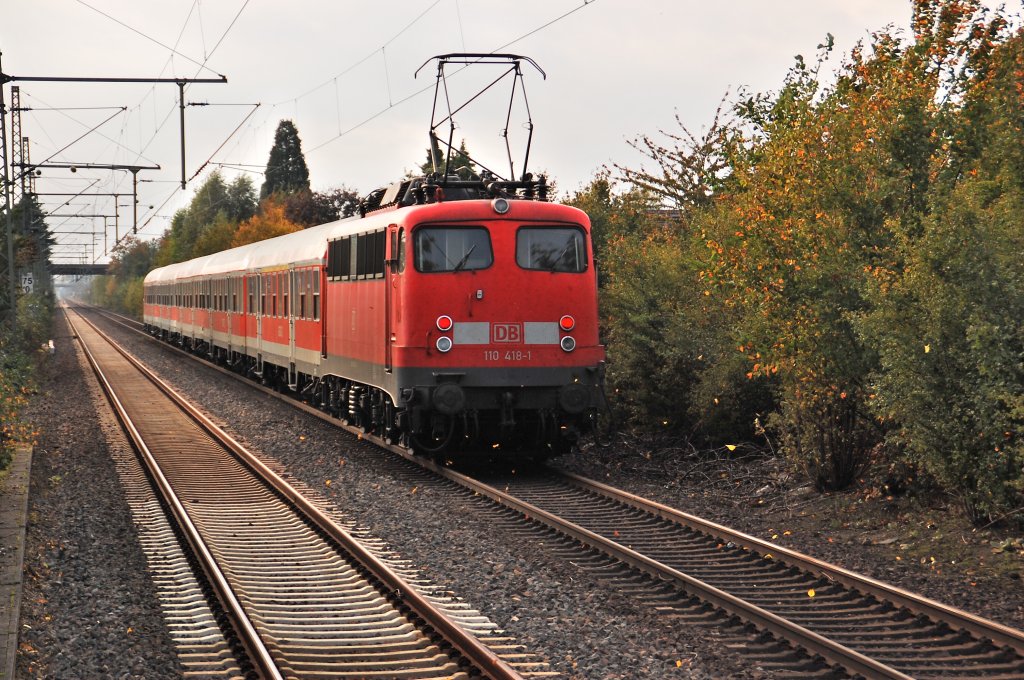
{"x": 444, "y": 323}
{"x": 567, "y": 323}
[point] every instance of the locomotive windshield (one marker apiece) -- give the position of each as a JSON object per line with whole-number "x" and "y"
{"x": 552, "y": 249}
{"x": 452, "y": 249}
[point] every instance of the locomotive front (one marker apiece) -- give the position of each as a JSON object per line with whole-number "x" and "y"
{"x": 495, "y": 341}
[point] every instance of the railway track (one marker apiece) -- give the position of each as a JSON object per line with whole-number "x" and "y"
{"x": 301, "y": 596}
{"x": 844, "y": 622}
{"x": 862, "y": 625}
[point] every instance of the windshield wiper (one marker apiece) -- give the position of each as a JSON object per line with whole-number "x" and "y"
{"x": 569, "y": 244}
{"x": 465, "y": 258}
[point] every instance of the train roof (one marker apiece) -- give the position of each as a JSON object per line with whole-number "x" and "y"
{"x": 301, "y": 247}
{"x": 309, "y": 246}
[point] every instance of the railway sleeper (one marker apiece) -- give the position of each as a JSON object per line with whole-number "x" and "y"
{"x": 802, "y": 605}
{"x": 989, "y": 670}
{"x": 880, "y": 630}
{"x": 952, "y": 656}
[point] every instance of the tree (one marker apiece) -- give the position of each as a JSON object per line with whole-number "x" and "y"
{"x": 269, "y": 222}
{"x": 241, "y": 203}
{"x": 460, "y": 163}
{"x": 217, "y": 208}
{"x": 286, "y": 167}
{"x": 216, "y": 236}
{"x": 691, "y": 169}
{"x": 133, "y": 258}
{"x": 310, "y": 208}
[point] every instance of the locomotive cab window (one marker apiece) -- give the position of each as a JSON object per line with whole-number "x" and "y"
{"x": 551, "y": 249}
{"x": 452, "y": 249}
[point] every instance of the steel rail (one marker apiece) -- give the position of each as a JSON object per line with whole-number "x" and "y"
{"x": 1000, "y": 635}
{"x": 465, "y": 643}
{"x": 810, "y": 641}
{"x": 243, "y": 626}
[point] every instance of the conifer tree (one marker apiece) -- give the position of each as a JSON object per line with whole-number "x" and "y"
{"x": 286, "y": 167}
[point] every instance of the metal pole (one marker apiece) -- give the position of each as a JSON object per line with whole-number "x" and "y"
{"x": 135, "y": 191}
{"x": 181, "y": 107}
{"x": 11, "y": 309}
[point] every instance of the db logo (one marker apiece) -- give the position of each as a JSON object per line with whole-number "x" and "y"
{"x": 507, "y": 332}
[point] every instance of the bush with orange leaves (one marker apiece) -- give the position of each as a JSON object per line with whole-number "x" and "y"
{"x": 830, "y": 184}
{"x": 846, "y": 228}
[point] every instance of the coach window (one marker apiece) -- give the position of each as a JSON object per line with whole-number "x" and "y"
{"x": 551, "y": 249}
{"x": 282, "y": 291}
{"x": 452, "y": 249}
{"x": 316, "y": 294}
{"x": 273, "y": 295}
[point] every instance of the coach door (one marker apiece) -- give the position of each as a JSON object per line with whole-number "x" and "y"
{"x": 208, "y": 287}
{"x": 392, "y": 286}
{"x": 290, "y": 304}
{"x": 261, "y": 309}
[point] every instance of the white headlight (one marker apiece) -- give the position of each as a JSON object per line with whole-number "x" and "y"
{"x": 444, "y": 343}
{"x": 568, "y": 343}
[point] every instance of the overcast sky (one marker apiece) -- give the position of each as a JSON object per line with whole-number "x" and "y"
{"x": 343, "y": 72}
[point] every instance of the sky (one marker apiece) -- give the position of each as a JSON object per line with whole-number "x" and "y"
{"x": 343, "y": 72}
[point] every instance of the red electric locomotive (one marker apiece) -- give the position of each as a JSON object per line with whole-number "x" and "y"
{"x": 451, "y": 314}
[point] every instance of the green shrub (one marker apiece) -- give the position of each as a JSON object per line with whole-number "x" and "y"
{"x": 17, "y": 348}
{"x": 652, "y": 343}
{"x": 951, "y": 336}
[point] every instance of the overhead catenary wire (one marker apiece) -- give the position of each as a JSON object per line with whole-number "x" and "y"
{"x": 430, "y": 87}
{"x": 83, "y": 135}
{"x": 358, "y": 63}
{"x": 217, "y": 150}
{"x": 136, "y": 152}
{"x": 62, "y": 111}
{"x": 172, "y": 50}
{"x": 235, "y": 138}
{"x": 207, "y": 56}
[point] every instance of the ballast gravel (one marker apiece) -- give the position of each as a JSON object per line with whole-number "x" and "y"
{"x": 556, "y": 609}
{"x": 87, "y": 615}
{"x": 89, "y": 608}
